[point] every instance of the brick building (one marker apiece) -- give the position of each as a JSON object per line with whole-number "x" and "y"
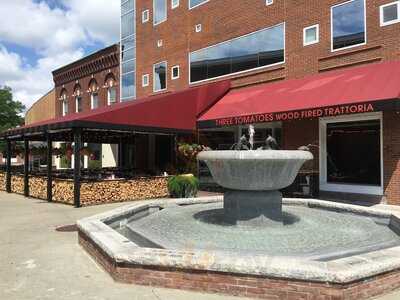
{"x": 84, "y": 85}
{"x": 174, "y": 45}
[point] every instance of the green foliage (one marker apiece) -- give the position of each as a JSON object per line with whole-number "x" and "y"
{"x": 187, "y": 156}
{"x": 10, "y": 112}
{"x": 183, "y": 186}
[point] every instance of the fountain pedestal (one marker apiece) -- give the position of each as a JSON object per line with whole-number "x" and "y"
{"x": 253, "y": 208}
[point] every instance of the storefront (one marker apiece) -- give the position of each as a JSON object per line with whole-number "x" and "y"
{"x": 349, "y": 119}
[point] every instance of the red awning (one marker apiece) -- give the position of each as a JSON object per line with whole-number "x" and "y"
{"x": 165, "y": 112}
{"x": 355, "y": 90}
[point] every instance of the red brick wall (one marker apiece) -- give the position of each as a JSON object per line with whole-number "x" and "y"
{"x": 225, "y": 19}
{"x": 100, "y": 66}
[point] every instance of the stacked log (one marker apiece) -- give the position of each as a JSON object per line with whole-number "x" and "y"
{"x": 17, "y": 184}
{"x": 109, "y": 191}
{"x": 63, "y": 191}
{"x": 38, "y": 187}
{"x": 2, "y": 181}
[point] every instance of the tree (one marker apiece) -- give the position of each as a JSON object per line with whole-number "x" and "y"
{"x": 10, "y": 111}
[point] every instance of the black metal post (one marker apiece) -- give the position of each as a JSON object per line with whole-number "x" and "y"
{"x": 26, "y": 167}
{"x": 8, "y": 167}
{"x": 77, "y": 167}
{"x": 49, "y": 169}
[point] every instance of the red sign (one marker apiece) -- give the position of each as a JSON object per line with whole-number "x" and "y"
{"x": 296, "y": 115}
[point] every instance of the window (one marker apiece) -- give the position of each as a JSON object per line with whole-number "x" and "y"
{"x": 175, "y": 72}
{"x": 78, "y": 104}
{"x": 348, "y": 24}
{"x": 390, "y": 13}
{"x": 64, "y": 106}
{"x": 111, "y": 95}
{"x": 198, "y": 28}
{"x": 174, "y": 3}
{"x": 145, "y": 80}
{"x": 195, "y": 3}
{"x": 159, "y": 11}
{"x": 160, "y": 76}
{"x": 269, "y": 2}
{"x": 159, "y": 43}
{"x": 311, "y": 35}
{"x": 145, "y": 16}
{"x": 258, "y": 49}
{"x": 128, "y": 46}
{"x": 94, "y": 100}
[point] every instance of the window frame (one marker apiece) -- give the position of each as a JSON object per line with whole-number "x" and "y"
{"x": 64, "y": 106}
{"x": 176, "y": 5}
{"x": 245, "y": 71}
{"x": 166, "y": 76}
{"x": 269, "y": 2}
{"x": 145, "y": 20}
{"x": 148, "y": 80}
{"x": 197, "y": 5}
{"x": 76, "y": 103}
{"x": 316, "y": 41}
{"x": 154, "y": 13}
{"x": 92, "y": 102}
{"x": 172, "y": 72}
{"x": 381, "y": 16}
{"x": 109, "y": 95}
{"x": 365, "y": 26}
{"x": 348, "y": 188}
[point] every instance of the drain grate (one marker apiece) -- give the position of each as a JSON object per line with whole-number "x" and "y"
{"x": 67, "y": 228}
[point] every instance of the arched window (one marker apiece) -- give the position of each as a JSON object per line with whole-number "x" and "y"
{"x": 78, "y": 98}
{"x": 94, "y": 94}
{"x": 110, "y": 85}
{"x": 64, "y": 102}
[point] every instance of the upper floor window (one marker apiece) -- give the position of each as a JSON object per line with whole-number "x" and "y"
{"x": 111, "y": 95}
{"x": 78, "y": 104}
{"x": 94, "y": 103}
{"x": 194, "y": 3}
{"x": 390, "y": 13}
{"x": 145, "y": 16}
{"x": 159, "y": 11}
{"x": 258, "y": 49}
{"x": 174, "y": 3}
{"x": 160, "y": 76}
{"x": 311, "y": 35}
{"x": 348, "y": 24}
{"x": 175, "y": 72}
{"x": 64, "y": 107}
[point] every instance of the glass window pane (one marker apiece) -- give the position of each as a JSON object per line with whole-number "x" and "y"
{"x": 244, "y": 53}
{"x": 273, "y": 51}
{"x": 390, "y": 13}
{"x": 219, "y": 60}
{"x": 112, "y": 95}
{"x": 127, "y": 6}
{"x": 95, "y": 101}
{"x": 160, "y": 11}
{"x": 359, "y": 163}
{"x": 310, "y": 35}
{"x": 128, "y": 55}
{"x": 348, "y": 23}
{"x": 128, "y": 67}
{"x": 78, "y": 104}
{"x": 128, "y": 85}
{"x": 160, "y": 76}
{"x": 127, "y": 25}
{"x": 198, "y": 66}
{"x": 128, "y": 43}
{"x": 193, "y": 3}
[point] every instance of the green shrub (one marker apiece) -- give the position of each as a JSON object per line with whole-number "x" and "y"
{"x": 183, "y": 186}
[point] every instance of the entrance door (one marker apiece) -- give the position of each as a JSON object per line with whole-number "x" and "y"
{"x": 351, "y": 155}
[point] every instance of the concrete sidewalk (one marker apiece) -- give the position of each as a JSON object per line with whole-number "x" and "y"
{"x": 37, "y": 262}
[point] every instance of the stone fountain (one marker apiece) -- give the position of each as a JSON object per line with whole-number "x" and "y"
{"x": 253, "y": 180}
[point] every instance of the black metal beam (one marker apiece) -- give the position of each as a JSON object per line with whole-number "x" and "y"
{"x": 49, "y": 169}
{"x": 77, "y": 167}
{"x": 8, "y": 167}
{"x": 26, "y": 167}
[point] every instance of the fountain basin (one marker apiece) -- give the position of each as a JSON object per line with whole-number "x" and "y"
{"x": 255, "y": 170}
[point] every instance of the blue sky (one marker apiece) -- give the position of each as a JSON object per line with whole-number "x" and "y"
{"x": 38, "y": 36}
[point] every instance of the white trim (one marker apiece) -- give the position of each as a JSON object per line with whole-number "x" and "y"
{"x": 172, "y": 72}
{"x": 245, "y": 71}
{"x": 173, "y": 6}
{"x": 316, "y": 41}
{"x": 382, "y": 22}
{"x": 269, "y": 2}
{"x": 197, "y": 5}
{"x": 166, "y": 76}
{"x": 198, "y": 28}
{"x": 347, "y": 188}
{"x": 145, "y": 16}
{"x": 143, "y": 81}
{"x": 154, "y": 13}
{"x": 365, "y": 26}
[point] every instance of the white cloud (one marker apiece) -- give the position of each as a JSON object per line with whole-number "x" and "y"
{"x": 57, "y": 36}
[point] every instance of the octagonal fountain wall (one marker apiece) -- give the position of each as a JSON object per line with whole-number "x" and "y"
{"x": 250, "y": 242}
